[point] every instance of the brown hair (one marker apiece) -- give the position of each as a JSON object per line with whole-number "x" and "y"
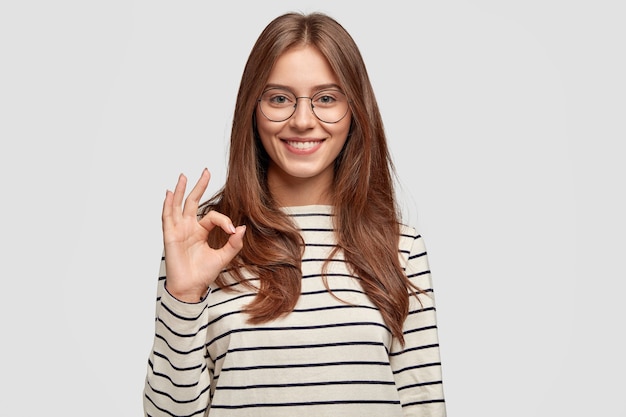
{"x": 366, "y": 215}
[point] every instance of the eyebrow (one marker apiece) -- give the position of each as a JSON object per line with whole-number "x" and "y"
{"x": 315, "y": 88}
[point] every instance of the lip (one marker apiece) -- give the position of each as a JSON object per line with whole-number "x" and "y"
{"x": 302, "y": 146}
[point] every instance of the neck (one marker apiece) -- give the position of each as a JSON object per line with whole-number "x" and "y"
{"x": 292, "y": 191}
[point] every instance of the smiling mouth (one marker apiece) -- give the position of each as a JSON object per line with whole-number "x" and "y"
{"x": 303, "y": 145}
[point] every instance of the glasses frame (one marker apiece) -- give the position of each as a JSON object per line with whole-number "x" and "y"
{"x": 295, "y": 106}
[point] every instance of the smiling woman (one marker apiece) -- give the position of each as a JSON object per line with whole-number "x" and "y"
{"x": 320, "y": 302}
{"x": 302, "y": 147}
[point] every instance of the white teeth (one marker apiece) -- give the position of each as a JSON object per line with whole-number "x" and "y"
{"x": 302, "y": 145}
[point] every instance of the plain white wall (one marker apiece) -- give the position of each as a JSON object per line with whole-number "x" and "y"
{"x": 505, "y": 120}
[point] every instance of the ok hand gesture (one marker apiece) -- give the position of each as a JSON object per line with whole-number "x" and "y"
{"x": 191, "y": 264}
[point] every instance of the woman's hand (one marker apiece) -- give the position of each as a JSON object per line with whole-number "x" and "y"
{"x": 191, "y": 264}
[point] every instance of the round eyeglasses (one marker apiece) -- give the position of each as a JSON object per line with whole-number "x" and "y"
{"x": 279, "y": 104}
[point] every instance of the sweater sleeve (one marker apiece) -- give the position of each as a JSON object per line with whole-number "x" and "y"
{"x": 417, "y": 365}
{"x": 178, "y": 378}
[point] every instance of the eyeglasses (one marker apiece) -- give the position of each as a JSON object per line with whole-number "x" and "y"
{"x": 279, "y": 104}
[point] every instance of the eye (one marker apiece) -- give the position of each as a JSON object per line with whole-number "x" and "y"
{"x": 278, "y": 97}
{"x": 328, "y": 98}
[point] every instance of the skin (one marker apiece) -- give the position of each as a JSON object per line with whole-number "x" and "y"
{"x": 295, "y": 177}
{"x": 192, "y": 265}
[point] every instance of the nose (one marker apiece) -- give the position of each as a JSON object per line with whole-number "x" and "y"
{"x": 303, "y": 117}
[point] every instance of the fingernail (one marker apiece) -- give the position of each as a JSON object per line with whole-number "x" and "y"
{"x": 232, "y": 228}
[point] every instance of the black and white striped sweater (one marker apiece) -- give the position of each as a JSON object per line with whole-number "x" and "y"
{"x": 326, "y": 358}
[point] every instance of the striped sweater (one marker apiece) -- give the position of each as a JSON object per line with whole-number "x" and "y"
{"x": 326, "y": 358}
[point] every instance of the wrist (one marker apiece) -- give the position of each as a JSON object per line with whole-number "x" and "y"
{"x": 191, "y": 296}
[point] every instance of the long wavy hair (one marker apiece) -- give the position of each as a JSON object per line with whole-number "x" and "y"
{"x": 366, "y": 216}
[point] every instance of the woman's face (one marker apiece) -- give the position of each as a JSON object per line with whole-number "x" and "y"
{"x": 302, "y": 148}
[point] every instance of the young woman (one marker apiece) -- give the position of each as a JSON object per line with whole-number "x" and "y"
{"x": 319, "y": 302}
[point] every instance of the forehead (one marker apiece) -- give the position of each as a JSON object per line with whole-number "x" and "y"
{"x": 302, "y": 68}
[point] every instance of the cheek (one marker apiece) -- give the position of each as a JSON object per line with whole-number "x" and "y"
{"x": 263, "y": 128}
{"x": 343, "y": 131}
{"x": 343, "y": 127}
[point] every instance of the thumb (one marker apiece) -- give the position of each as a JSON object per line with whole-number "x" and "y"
{"x": 234, "y": 244}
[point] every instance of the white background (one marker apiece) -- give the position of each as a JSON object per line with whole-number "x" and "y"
{"x": 506, "y": 122}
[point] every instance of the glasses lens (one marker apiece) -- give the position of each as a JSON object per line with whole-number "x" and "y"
{"x": 330, "y": 106}
{"x": 278, "y": 105}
